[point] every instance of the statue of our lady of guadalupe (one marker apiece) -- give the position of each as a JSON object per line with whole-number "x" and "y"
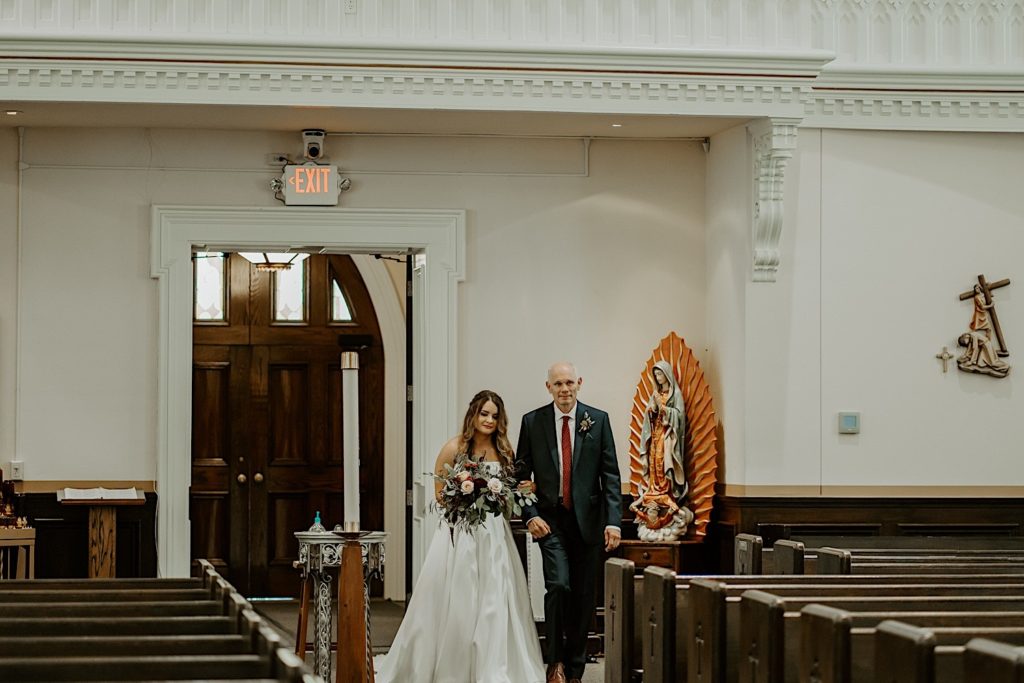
{"x": 660, "y": 513}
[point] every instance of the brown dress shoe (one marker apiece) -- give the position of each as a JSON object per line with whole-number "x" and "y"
{"x": 556, "y": 673}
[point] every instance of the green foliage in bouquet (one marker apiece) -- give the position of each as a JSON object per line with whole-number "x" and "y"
{"x": 468, "y": 495}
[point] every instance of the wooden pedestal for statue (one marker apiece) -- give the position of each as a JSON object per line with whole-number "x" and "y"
{"x": 678, "y": 556}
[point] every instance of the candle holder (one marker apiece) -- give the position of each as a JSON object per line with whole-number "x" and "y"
{"x": 359, "y": 556}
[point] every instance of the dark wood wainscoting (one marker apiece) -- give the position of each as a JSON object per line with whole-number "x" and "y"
{"x": 62, "y": 537}
{"x": 775, "y": 518}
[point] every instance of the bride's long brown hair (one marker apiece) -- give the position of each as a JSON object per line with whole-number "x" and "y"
{"x": 500, "y": 436}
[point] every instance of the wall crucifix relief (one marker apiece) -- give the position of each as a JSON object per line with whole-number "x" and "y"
{"x": 983, "y": 343}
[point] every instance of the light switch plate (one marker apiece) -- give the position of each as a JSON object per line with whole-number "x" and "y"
{"x": 849, "y": 423}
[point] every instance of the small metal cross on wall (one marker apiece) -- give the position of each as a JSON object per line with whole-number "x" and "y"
{"x": 945, "y": 357}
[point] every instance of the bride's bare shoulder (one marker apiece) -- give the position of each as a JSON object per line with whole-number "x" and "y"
{"x": 449, "y": 450}
{"x": 452, "y": 446}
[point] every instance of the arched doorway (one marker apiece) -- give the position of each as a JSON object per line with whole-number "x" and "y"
{"x": 266, "y": 412}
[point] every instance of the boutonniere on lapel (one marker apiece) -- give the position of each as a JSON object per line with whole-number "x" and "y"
{"x": 586, "y": 423}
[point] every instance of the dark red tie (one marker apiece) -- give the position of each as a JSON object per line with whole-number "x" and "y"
{"x": 566, "y": 463}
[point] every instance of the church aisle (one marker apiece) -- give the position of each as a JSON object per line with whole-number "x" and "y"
{"x": 385, "y": 617}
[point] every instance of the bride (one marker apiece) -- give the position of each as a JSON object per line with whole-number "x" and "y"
{"x": 469, "y": 619}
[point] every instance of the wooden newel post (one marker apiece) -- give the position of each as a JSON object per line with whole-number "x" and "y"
{"x": 355, "y": 658}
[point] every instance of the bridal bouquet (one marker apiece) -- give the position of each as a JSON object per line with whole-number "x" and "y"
{"x": 468, "y": 496}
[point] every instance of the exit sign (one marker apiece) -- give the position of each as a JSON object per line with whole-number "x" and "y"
{"x": 310, "y": 185}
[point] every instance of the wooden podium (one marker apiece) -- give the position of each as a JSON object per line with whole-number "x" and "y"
{"x": 102, "y": 530}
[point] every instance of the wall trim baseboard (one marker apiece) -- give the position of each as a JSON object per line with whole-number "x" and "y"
{"x": 835, "y": 491}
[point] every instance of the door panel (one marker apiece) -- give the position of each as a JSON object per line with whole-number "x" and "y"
{"x": 267, "y": 432}
{"x": 288, "y": 413}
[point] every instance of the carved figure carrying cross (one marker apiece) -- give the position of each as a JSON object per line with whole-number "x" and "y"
{"x": 986, "y": 291}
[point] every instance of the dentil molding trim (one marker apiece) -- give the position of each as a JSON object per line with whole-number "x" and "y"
{"x": 772, "y": 142}
{"x": 622, "y": 81}
{"x": 701, "y": 85}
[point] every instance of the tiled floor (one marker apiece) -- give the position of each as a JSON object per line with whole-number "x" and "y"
{"x": 385, "y": 617}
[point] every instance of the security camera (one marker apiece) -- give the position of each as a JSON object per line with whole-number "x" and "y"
{"x": 313, "y": 144}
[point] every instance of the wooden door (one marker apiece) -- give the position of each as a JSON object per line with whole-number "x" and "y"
{"x": 267, "y": 432}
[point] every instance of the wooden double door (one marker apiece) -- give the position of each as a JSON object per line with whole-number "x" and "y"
{"x": 266, "y": 422}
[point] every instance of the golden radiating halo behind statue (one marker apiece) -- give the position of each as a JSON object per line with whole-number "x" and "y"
{"x": 700, "y": 450}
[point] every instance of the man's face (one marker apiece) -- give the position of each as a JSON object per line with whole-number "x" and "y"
{"x": 563, "y": 385}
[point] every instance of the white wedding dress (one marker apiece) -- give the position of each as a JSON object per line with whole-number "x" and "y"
{"x": 469, "y": 619}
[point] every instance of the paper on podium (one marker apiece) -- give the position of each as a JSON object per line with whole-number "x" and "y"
{"x": 100, "y": 493}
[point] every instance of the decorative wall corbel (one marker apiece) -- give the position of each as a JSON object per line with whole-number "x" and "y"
{"x": 773, "y": 141}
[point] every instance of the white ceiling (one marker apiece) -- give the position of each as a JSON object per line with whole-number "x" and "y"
{"x": 338, "y": 120}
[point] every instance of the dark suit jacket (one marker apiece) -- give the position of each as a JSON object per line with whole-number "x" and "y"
{"x": 596, "y": 488}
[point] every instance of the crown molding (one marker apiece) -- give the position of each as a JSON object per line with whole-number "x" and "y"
{"x": 967, "y": 80}
{"x": 382, "y": 55}
{"x": 916, "y": 110}
{"x": 642, "y": 92}
{"x": 623, "y": 80}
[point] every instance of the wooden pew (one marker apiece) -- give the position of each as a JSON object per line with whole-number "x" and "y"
{"x": 988, "y": 661}
{"x": 671, "y": 612}
{"x": 839, "y": 646}
{"x": 749, "y": 555}
{"x": 912, "y": 654}
{"x": 770, "y": 636}
{"x": 623, "y": 597}
{"x": 841, "y": 561}
{"x": 764, "y": 627}
{"x": 794, "y": 556}
{"x": 148, "y": 629}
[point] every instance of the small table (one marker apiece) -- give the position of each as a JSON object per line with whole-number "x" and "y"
{"x": 103, "y": 531}
{"x": 667, "y": 554}
{"x": 24, "y": 540}
{"x": 320, "y": 551}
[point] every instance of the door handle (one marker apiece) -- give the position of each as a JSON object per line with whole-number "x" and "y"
{"x": 241, "y": 478}
{"x": 258, "y": 477}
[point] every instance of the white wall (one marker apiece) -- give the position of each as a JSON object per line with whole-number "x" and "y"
{"x": 883, "y": 230}
{"x": 729, "y": 271}
{"x": 596, "y": 270}
{"x": 908, "y": 222}
{"x": 8, "y": 289}
{"x": 783, "y": 355}
{"x": 624, "y": 246}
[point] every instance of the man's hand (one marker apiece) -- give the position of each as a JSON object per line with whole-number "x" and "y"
{"x": 612, "y": 537}
{"x": 538, "y": 528}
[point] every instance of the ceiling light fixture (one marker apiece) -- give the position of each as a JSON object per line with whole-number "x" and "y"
{"x": 268, "y": 261}
{"x": 616, "y": 125}
{"x": 12, "y": 112}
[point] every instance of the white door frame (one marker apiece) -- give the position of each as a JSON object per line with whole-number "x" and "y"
{"x": 438, "y": 234}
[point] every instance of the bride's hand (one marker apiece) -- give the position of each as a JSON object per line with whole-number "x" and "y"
{"x": 538, "y": 528}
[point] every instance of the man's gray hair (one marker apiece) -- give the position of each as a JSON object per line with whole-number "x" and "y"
{"x": 562, "y": 363}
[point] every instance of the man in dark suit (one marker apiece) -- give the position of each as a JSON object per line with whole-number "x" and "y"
{"x": 567, "y": 448}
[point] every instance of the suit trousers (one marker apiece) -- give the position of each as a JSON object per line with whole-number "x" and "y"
{"x": 570, "y": 577}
